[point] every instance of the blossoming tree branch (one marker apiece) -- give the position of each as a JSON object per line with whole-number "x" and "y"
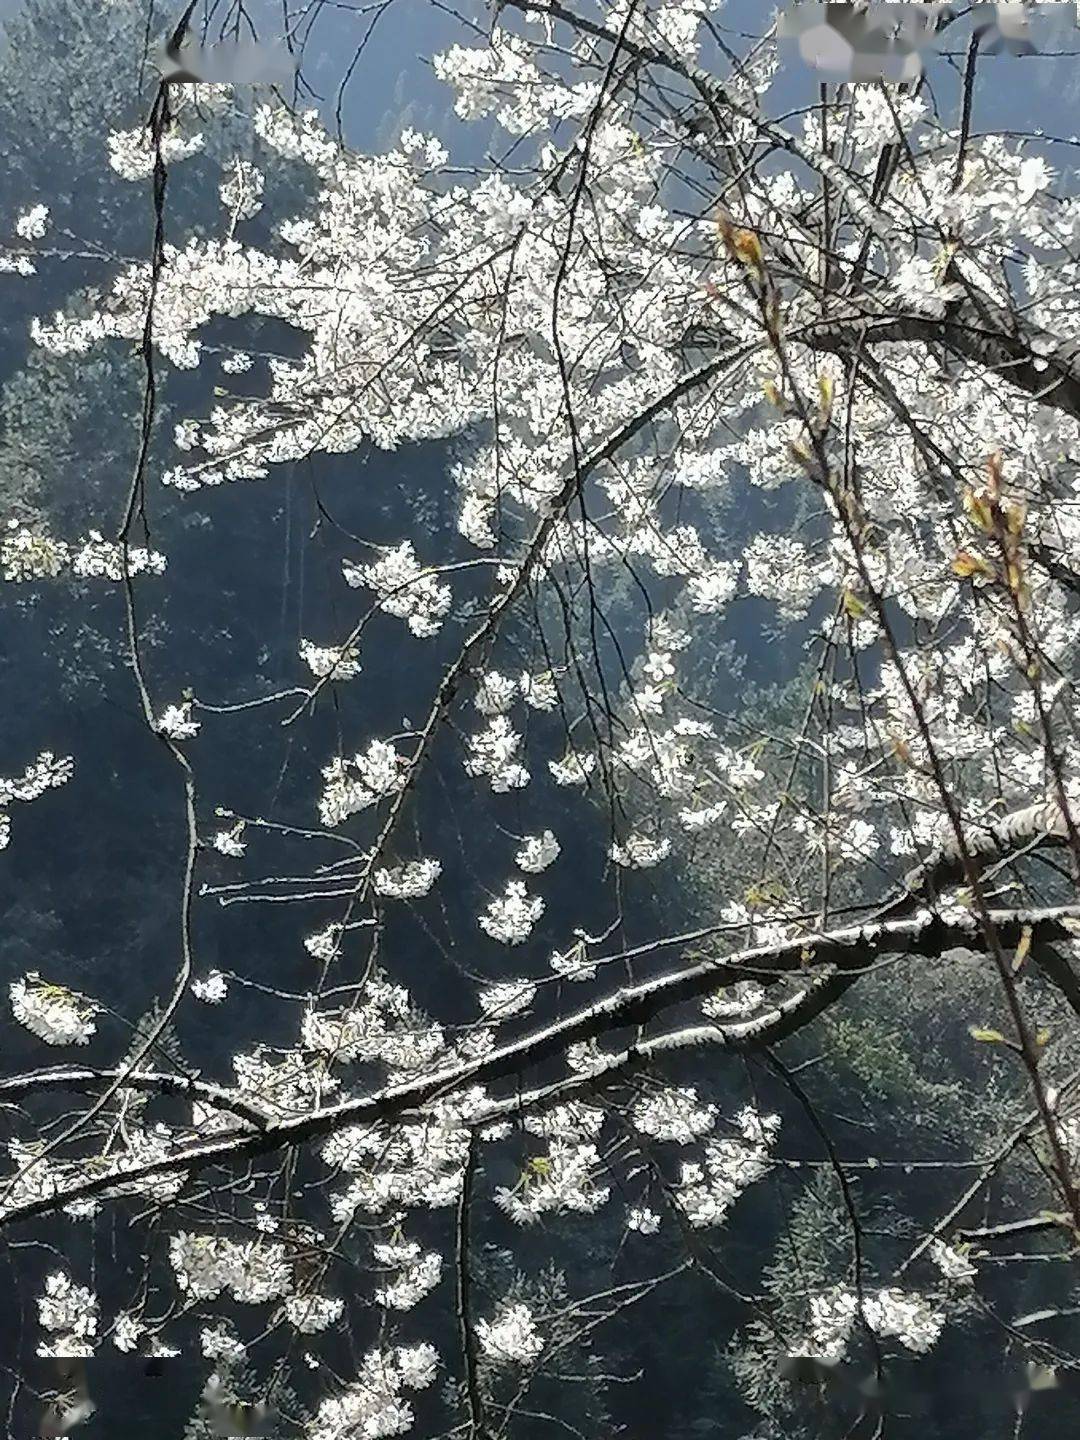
{"x": 709, "y": 375}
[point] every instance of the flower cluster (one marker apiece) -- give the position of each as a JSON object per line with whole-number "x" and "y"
{"x": 354, "y": 785}
{"x": 51, "y": 1012}
{"x": 676, "y": 1115}
{"x": 493, "y": 754}
{"x": 372, "y": 1406}
{"x": 71, "y": 1312}
{"x": 415, "y": 1274}
{"x": 641, "y": 852}
{"x": 510, "y": 917}
{"x": 33, "y": 223}
{"x": 32, "y": 555}
{"x": 229, "y": 842}
{"x": 309, "y": 1313}
{"x": 46, "y": 773}
{"x": 132, "y": 154}
{"x": 252, "y": 1271}
{"x": 419, "y": 1163}
{"x": 405, "y": 589}
{"x": 511, "y": 1338}
{"x": 379, "y": 1025}
{"x": 566, "y": 1179}
{"x": 954, "y": 1264}
{"x": 410, "y": 881}
{"x": 176, "y": 722}
{"x": 707, "y": 1189}
{"x": 210, "y": 988}
{"x": 241, "y": 190}
{"x": 537, "y": 853}
{"x": 327, "y": 664}
{"x": 909, "y": 1318}
{"x": 643, "y": 1220}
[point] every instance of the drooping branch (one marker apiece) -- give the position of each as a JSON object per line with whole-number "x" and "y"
{"x": 988, "y": 1170}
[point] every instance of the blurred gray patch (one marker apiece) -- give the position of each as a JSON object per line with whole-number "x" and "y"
{"x": 228, "y": 62}
{"x": 227, "y": 1417}
{"x": 71, "y": 1406}
{"x": 860, "y": 41}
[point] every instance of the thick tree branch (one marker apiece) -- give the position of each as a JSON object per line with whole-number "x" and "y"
{"x": 1041, "y": 824}
{"x": 845, "y": 953}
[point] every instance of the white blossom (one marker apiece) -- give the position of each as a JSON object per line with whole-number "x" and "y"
{"x": 728, "y": 1166}
{"x": 416, "y": 1275}
{"x": 238, "y": 363}
{"x": 495, "y": 693}
{"x": 539, "y": 691}
{"x": 405, "y": 589}
{"x": 572, "y": 964}
{"x": 27, "y": 554}
{"x": 241, "y": 190}
{"x": 126, "y": 1331}
{"x": 537, "y": 853}
{"x": 510, "y": 917}
{"x": 493, "y": 754}
{"x": 220, "y": 1343}
{"x": 573, "y": 769}
{"x": 311, "y": 1313}
{"x": 410, "y": 881}
{"x": 51, "y": 1012}
{"x": 888, "y": 1312}
{"x": 176, "y": 722}
{"x": 228, "y": 842}
{"x": 417, "y": 1365}
{"x": 47, "y": 772}
{"x": 68, "y": 1307}
{"x": 355, "y": 784}
{"x": 33, "y": 223}
{"x": 641, "y": 852}
{"x": 954, "y": 1264}
{"x": 329, "y": 664}
{"x": 674, "y": 1114}
{"x": 211, "y": 988}
{"x": 910, "y": 1318}
{"x": 643, "y": 1220}
{"x": 371, "y": 1407}
{"x": 252, "y": 1271}
{"x": 566, "y": 1179}
{"x": 131, "y": 152}
{"x": 509, "y": 997}
{"x": 324, "y": 944}
{"x": 511, "y": 1338}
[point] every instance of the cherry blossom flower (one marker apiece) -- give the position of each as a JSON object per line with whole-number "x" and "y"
{"x": 51, "y": 1012}
{"x": 642, "y": 1220}
{"x": 511, "y": 1338}
{"x": 510, "y": 917}
{"x": 176, "y": 723}
{"x": 33, "y": 223}
{"x": 537, "y": 853}
{"x": 212, "y": 988}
